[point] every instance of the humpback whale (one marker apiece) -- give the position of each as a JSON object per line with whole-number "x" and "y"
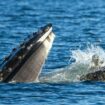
{"x": 25, "y": 62}
{"x": 97, "y": 75}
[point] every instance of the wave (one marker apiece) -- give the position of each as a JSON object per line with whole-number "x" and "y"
{"x": 86, "y": 61}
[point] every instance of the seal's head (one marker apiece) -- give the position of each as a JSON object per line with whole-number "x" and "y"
{"x": 96, "y": 61}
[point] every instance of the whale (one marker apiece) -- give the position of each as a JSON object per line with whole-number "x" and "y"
{"x": 24, "y": 63}
{"x": 97, "y": 75}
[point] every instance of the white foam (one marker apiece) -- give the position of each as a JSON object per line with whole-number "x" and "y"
{"x": 83, "y": 64}
{"x": 85, "y": 56}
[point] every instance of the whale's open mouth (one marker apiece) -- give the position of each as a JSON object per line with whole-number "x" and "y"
{"x": 24, "y": 63}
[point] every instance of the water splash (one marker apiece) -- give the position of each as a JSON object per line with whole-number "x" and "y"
{"x": 85, "y": 56}
{"x": 87, "y": 60}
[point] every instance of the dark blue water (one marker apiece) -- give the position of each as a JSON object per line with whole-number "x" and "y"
{"x": 75, "y": 23}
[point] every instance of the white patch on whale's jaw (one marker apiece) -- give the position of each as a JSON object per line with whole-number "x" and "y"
{"x": 47, "y": 46}
{"x": 48, "y": 42}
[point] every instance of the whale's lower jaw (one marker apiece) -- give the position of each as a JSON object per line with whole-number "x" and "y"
{"x": 24, "y": 64}
{"x": 98, "y": 75}
{"x": 30, "y": 71}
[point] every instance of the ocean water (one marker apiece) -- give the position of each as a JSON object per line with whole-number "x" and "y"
{"x": 79, "y": 26}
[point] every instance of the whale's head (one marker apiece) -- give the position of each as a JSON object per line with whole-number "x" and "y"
{"x": 25, "y": 62}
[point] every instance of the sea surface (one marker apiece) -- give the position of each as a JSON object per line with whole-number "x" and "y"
{"x": 79, "y": 26}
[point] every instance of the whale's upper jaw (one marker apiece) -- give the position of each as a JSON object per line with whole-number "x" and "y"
{"x": 25, "y": 62}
